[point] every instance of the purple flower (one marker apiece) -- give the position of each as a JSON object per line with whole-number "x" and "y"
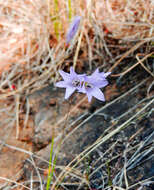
{"x": 89, "y": 85}
{"x": 73, "y": 29}
{"x": 71, "y": 82}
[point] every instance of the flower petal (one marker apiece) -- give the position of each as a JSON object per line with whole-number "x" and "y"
{"x": 97, "y": 81}
{"x": 100, "y": 75}
{"x": 101, "y": 83}
{"x": 97, "y": 93}
{"x": 69, "y": 92}
{"x": 72, "y": 72}
{"x": 107, "y": 74}
{"x": 61, "y": 84}
{"x": 73, "y": 29}
{"x": 65, "y": 75}
{"x": 95, "y": 73}
{"x": 89, "y": 97}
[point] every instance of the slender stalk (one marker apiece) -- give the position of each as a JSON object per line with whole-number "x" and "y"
{"x": 51, "y": 169}
{"x": 69, "y": 10}
{"x": 56, "y": 22}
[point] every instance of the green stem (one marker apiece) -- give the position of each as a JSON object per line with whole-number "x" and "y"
{"x": 69, "y": 10}
{"x": 50, "y": 174}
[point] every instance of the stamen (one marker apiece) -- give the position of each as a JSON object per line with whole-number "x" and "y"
{"x": 87, "y": 85}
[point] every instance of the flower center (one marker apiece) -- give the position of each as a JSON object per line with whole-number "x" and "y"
{"x": 76, "y": 83}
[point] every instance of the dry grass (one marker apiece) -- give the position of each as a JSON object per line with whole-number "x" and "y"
{"x": 25, "y": 27}
{"x": 33, "y": 36}
{"x": 127, "y": 20}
